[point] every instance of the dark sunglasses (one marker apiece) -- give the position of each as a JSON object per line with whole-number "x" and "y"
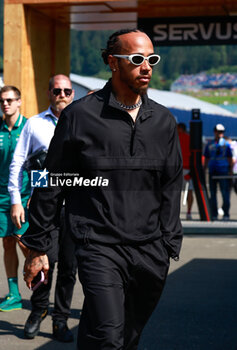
{"x": 138, "y": 59}
{"x": 57, "y": 91}
{"x": 9, "y": 100}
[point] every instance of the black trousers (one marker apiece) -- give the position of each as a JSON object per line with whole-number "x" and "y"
{"x": 122, "y": 286}
{"x": 63, "y": 251}
{"x": 40, "y": 297}
{"x": 66, "y": 275}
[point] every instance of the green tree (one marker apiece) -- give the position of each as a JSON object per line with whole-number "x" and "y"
{"x": 86, "y": 51}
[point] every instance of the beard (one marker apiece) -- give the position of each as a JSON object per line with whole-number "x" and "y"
{"x": 60, "y": 105}
{"x": 131, "y": 83}
{"x": 139, "y": 91}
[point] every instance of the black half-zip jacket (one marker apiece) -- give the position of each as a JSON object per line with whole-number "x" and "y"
{"x": 142, "y": 162}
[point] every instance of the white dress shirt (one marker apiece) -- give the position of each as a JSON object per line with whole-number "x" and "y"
{"x": 36, "y": 134}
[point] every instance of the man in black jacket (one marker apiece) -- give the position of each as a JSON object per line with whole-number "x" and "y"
{"x": 119, "y": 154}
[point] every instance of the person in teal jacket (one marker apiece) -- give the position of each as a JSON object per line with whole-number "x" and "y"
{"x": 11, "y": 125}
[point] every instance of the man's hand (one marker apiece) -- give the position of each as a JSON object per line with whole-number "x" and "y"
{"x": 17, "y": 215}
{"x": 34, "y": 263}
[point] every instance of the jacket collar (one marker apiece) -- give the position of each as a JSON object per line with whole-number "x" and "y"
{"x": 106, "y": 94}
{"x": 16, "y": 125}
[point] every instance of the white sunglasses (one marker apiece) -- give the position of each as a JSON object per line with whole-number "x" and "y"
{"x": 138, "y": 59}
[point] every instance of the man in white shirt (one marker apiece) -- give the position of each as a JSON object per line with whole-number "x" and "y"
{"x": 36, "y": 135}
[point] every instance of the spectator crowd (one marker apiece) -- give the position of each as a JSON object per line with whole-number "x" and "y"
{"x": 192, "y": 82}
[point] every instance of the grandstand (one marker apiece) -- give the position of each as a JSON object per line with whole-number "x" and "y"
{"x": 195, "y": 82}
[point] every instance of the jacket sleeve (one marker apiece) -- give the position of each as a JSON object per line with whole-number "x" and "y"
{"x": 171, "y": 186}
{"x": 46, "y": 203}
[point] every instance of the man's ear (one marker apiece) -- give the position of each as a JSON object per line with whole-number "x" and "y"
{"x": 113, "y": 63}
{"x": 19, "y": 102}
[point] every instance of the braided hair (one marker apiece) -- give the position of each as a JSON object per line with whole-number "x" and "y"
{"x": 114, "y": 45}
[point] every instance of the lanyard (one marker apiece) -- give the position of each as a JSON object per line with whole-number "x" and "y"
{"x": 53, "y": 120}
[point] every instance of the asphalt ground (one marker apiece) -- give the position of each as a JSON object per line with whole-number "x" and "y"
{"x": 197, "y": 310}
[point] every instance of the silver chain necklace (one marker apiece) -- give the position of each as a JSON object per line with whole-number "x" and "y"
{"x": 136, "y": 105}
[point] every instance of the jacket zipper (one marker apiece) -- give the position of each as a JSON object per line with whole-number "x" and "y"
{"x": 133, "y": 127}
{"x": 132, "y": 138}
